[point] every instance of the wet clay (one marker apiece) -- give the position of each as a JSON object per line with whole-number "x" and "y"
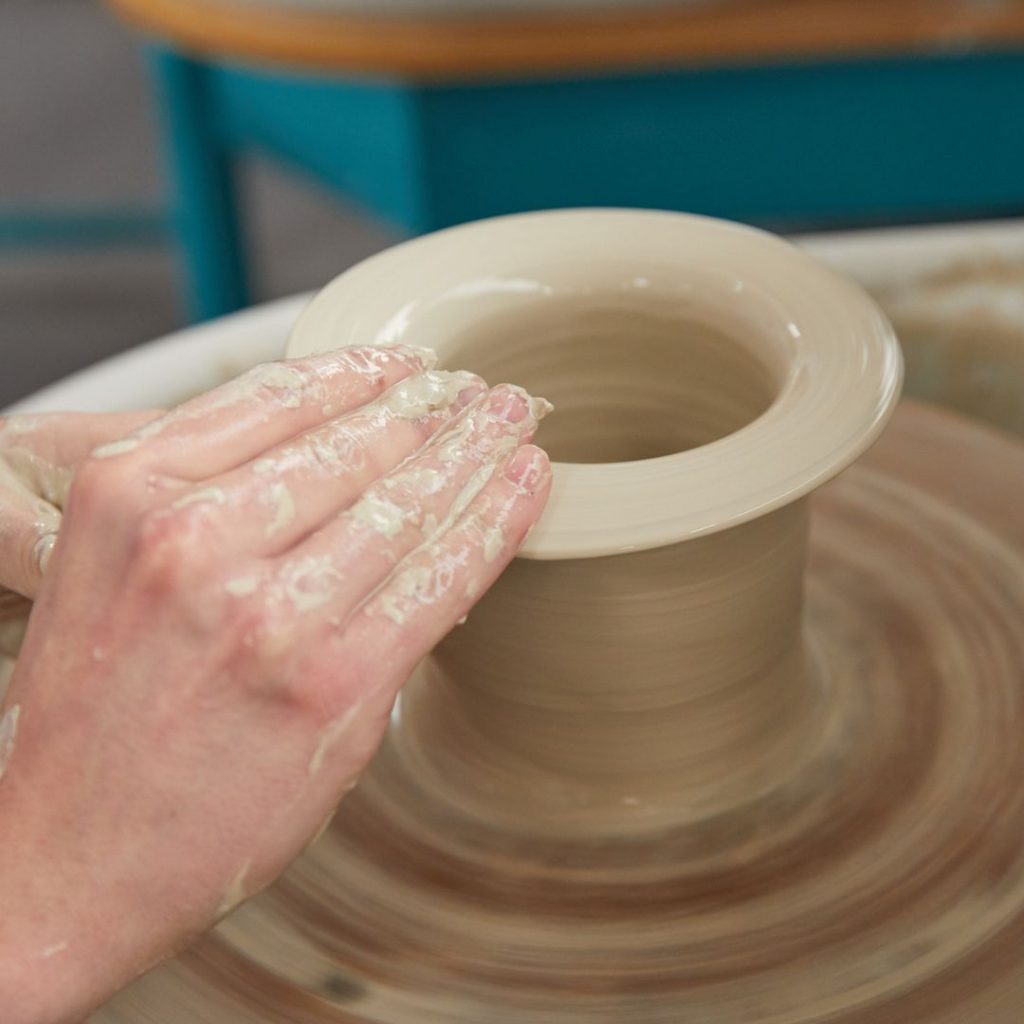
{"x": 38, "y": 491}
{"x": 41, "y": 488}
{"x": 725, "y": 744}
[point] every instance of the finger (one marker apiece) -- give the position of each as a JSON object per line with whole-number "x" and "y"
{"x": 65, "y": 438}
{"x": 264, "y": 507}
{"x": 336, "y": 567}
{"x": 236, "y": 422}
{"x": 38, "y": 455}
{"x": 432, "y": 589}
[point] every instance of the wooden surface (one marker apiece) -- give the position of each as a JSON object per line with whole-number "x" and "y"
{"x": 523, "y": 45}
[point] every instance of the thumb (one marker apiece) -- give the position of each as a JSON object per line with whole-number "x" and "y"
{"x": 28, "y": 532}
{"x": 30, "y": 515}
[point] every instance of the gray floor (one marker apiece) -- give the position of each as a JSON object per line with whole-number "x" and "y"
{"x": 77, "y": 126}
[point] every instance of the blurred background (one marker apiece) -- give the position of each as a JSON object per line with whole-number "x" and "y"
{"x": 80, "y": 131}
{"x": 166, "y": 161}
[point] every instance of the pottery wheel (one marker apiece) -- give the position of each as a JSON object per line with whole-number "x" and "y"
{"x": 884, "y": 886}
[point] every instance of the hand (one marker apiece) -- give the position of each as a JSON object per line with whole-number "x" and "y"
{"x": 238, "y": 592}
{"x": 38, "y": 457}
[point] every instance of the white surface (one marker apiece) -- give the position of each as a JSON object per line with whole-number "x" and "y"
{"x": 164, "y": 371}
{"x": 168, "y": 370}
{"x": 891, "y": 257}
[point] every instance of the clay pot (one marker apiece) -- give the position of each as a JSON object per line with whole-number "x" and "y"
{"x": 704, "y": 753}
{"x": 643, "y": 664}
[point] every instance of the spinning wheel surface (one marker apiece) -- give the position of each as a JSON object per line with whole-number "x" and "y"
{"x": 881, "y": 880}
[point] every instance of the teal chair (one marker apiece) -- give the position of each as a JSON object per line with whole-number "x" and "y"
{"x": 787, "y": 113}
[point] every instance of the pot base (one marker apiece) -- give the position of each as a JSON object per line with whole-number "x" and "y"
{"x": 881, "y": 882}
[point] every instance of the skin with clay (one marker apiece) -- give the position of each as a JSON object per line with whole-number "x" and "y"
{"x": 226, "y": 600}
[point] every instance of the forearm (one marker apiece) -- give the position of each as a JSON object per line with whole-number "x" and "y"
{"x": 41, "y": 975}
{"x": 66, "y": 941}
{"x": 45, "y": 940}
{"x": 32, "y": 991}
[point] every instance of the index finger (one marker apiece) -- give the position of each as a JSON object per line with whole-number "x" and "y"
{"x": 266, "y": 406}
{"x": 64, "y": 439}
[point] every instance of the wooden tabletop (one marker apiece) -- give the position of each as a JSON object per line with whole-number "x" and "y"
{"x": 523, "y": 45}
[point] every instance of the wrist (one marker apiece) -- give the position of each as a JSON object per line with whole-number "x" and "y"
{"x": 23, "y": 987}
{"x": 40, "y": 980}
{"x": 57, "y": 960}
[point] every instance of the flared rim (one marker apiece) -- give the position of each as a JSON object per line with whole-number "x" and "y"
{"x": 839, "y": 363}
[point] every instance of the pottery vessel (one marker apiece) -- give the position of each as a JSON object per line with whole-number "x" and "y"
{"x": 643, "y": 664}
{"x": 708, "y": 750}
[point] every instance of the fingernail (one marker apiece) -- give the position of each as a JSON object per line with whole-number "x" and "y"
{"x": 44, "y": 550}
{"x": 540, "y": 407}
{"x": 509, "y": 403}
{"x": 528, "y": 469}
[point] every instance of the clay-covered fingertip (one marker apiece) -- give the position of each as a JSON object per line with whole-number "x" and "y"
{"x": 536, "y": 408}
{"x": 426, "y": 357}
{"x": 540, "y": 407}
{"x": 529, "y": 468}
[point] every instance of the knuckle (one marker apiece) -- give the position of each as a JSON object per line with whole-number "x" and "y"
{"x": 289, "y": 383}
{"x": 243, "y": 621}
{"x": 365, "y": 362}
{"x": 172, "y": 548}
{"x": 259, "y": 624}
{"x": 263, "y": 637}
{"x": 287, "y": 680}
{"x": 301, "y": 694}
{"x": 100, "y": 486}
{"x": 475, "y": 529}
{"x": 327, "y": 451}
{"x": 424, "y": 433}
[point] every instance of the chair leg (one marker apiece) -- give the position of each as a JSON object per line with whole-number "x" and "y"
{"x": 205, "y": 200}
